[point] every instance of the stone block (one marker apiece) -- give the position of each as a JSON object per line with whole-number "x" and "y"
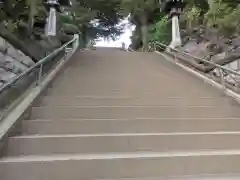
{"x": 6, "y": 75}
{"x": 3, "y": 45}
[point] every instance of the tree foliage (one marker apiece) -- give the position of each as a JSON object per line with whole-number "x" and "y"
{"x": 141, "y": 12}
{"x": 223, "y": 17}
{"x": 219, "y": 16}
{"x": 100, "y": 18}
{"x": 25, "y": 19}
{"x": 193, "y": 17}
{"x": 161, "y": 31}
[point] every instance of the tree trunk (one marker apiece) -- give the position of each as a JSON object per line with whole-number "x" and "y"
{"x": 32, "y": 10}
{"x": 144, "y": 29}
{"x": 30, "y": 19}
{"x": 84, "y": 37}
{"x": 210, "y": 3}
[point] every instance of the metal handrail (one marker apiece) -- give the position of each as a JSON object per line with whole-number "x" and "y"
{"x": 198, "y": 58}
{"x": 223, "y": 72}
{"x": 130, "y": 49}
{"x": 39, "y": 64}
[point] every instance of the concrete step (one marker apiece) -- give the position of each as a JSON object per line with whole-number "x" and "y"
{"x": 133, "y": 101}
{"x": 124, "y": 126}
{"x": 203, "y": 177}
{"x": 102, "y": 112}
{"x": 206, "y": 177}
{"x": 104, "y": 91}
{"x": 121, "y": 86}
{"x": 124, "y": 165}
{"x": 105, "y": 143}
{"x": 99, "y": 126}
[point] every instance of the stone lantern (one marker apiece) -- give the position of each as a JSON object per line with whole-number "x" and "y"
{"x": 175, "y": 9}
{"x": 53, "y": 6}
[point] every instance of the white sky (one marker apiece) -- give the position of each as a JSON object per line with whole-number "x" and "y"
{"x": 125, "y": 37}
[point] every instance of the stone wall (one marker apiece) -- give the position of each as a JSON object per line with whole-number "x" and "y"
{"x": 201, "y": 49}
{"x": 12, "y": 61}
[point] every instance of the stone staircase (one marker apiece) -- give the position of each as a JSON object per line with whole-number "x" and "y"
{"x": 118, "y": 115}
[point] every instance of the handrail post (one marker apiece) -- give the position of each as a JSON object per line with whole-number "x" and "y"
{"x": 154, "y": 46}
{"x": 76, "y": 41}
{"x": 39, "y": 78}
{"x": 65, "y": 52}
{"x": 175, "y": 54}
{"x": 222, "y": 80}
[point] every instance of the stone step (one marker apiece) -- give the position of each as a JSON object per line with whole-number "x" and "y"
{"x": 203, "y": 177}
{"x": 124, "y": 126}
{"x": 133, "y": 101}
{"x": 126, "y": 92}
{"x": 135, "y": 89}
{"x": 123, "y": 165}
{"x": 99, "y": 126}
{"x": 118, "y": 143}
{"x": 102, "y": 112}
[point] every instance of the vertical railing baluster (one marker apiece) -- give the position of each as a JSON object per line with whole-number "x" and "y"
{"x": 40, "y": 72}
{"x": 222, "y": 80}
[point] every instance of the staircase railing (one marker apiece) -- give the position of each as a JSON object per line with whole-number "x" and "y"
{"x": 13, "y": 90}
{"x": 226, "y": 77}
{"x": 129, "y": 49}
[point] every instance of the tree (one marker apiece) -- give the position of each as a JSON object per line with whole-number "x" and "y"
{"x": 95, "y": 19}
{"x": 140, "y": 11}
{"x": 201, "y": 4}
{"x": 192, "y": 16}
{"x": 223, "y": 18}
{"x": 24, "y": 20}
{"x": 161, "y": 31}
{"x": 34, "y": 8}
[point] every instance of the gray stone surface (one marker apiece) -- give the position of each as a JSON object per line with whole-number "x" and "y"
{"x": 6, "y": 75}
{"x": 107, "y": 93}
{"x": 12, "y": 61}
{"x": 199, "y": 50}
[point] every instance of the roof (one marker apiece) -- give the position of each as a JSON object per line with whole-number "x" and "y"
{"x": 168, "y": 4}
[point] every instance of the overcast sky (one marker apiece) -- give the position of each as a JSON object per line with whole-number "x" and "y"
{"x": 125, "y": 37}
